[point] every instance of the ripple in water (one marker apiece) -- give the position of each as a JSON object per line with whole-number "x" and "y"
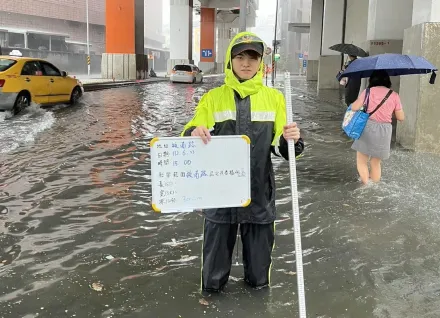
{"x": 23, "y": 128}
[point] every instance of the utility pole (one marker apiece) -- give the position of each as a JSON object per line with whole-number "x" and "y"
{"x": 274, "y": 45}
{"x": 243, "y": 11}
{"x": 88, "y": 39}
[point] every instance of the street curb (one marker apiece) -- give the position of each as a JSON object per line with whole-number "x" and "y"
{"x": 90, "y": 87}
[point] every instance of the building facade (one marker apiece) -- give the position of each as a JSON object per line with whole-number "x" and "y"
{"x": 294, "y": 42}
{"x": 57, "y": 30}
{"x": 52, "y": 25}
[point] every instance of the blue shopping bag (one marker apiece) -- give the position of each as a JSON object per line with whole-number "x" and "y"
{"x": 355, "y": 121}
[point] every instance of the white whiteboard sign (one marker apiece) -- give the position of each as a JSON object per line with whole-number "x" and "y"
{"x": 188, "y": 175}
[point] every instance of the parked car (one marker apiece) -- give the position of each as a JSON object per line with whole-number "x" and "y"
{"x": 186, "y": 73}
{"x": 24, "y": 80}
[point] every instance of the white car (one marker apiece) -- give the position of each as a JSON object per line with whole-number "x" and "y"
{"x": 186, "y": 73}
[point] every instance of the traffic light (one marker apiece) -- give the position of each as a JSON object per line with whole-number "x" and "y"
{"x": 277, "y": 57}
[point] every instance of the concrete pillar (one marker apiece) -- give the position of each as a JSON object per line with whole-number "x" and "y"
{"x": 223, "y": 39}
{"x": 377, "y": 27}
{"x": 330, "y": 61}
{"x": 315, "y": 39}
{"x": 181, "y": 29}
{"x": 425, "y": 11}
{"x": 207, "y": 40}
{"x": 243, "y": 14}
{"x": 385, "y": 35}
{"x": 124, "y": 58}
{"x": 376, "y": 20}
{"x": 420, "y": 130}
{"x": 381, "y": 26}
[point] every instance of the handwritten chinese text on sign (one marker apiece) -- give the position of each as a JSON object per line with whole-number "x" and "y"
{"x": 188, "y": 175}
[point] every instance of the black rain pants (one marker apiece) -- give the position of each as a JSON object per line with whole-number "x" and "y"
{"x": 218, "y": 247}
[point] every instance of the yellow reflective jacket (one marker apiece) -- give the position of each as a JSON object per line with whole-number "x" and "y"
{"x": 252, "y": 109}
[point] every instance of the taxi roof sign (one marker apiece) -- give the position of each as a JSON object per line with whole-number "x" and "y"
{"x": 15, "y": 53}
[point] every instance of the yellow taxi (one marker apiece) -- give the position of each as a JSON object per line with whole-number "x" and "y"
{"x": 24, "y": 80}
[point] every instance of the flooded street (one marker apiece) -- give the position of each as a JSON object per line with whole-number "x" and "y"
{"x": 78, "y": 237}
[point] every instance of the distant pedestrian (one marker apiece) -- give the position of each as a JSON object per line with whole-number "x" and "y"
{"x": 152, "y": 73}
{"x": 375, "y": 141}
{"x": 352, "y": 86}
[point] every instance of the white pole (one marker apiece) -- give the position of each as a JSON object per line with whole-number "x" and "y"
{"x": 295, "y": 205}
{"x": 88, "y": 39}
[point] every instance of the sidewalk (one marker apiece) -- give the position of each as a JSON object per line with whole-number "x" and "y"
{"x": 93, "y": 83}
{"x": 99, "y": 84}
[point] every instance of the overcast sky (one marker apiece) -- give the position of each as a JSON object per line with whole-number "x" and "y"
{"x": 267, "y": 7}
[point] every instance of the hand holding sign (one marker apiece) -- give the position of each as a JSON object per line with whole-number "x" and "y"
{"x": 203, "y": 132}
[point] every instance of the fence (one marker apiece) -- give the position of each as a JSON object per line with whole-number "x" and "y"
{"x": 74, "y": 63}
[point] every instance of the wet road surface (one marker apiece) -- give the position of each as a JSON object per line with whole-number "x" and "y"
{"x": 78, "y": 237}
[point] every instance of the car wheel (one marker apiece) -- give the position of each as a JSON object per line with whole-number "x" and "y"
{"x": 75, "y": 96}
{"x": 23, "y": 100}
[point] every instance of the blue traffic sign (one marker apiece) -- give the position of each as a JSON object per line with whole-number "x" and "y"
{"x": 300, "y": 55}
{"x": 207, "y": 53}
{"x": 304, "y": 63}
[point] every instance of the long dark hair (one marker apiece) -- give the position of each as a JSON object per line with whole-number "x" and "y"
{"x": 379, "y": 78}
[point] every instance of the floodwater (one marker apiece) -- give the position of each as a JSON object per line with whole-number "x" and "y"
{"x": 78, "y": 237}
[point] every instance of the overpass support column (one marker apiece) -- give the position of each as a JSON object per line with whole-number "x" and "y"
{"x": 315, "y": 39}
{"x": 420, "y": 130}
{"x": 181, "y": 30}
{"x": 330, "y": 61}
{"x": 124, "y": 57}
{"x": 223, "y": 39}
{"x": 207, "y": 40}
{"x": 385, "y": 35}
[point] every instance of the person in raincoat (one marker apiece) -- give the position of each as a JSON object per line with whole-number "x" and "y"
{"x": 244, "y": 106}
{"x": 353, "y": 85}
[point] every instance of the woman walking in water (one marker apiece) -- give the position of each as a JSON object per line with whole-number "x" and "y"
{"x": 375, "y": 142}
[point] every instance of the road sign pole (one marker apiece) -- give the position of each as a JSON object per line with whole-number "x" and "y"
{"x": 88, "y": 38}
{"x": 274, "y": 45}
{"x": 266, "y": 74}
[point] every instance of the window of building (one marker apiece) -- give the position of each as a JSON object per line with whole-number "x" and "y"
{"x": 3, "y": 39}
{"x": 38, "y": 42}
{"x": 16, "y": 40}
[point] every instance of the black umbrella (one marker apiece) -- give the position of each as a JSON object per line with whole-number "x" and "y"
{"x": 349, "y": 49}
